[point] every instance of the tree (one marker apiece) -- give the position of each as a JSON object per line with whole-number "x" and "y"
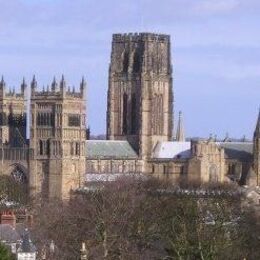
{"x": 132, "y": 219}
{"x": 10, "y": 190}
{"x": 5, "y": 254}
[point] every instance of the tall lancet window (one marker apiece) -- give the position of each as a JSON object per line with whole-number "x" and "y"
{"x": 133, "y": 115}
{"x": 125, "y": 61}
{"x": 125, "y": 113}
{"x": 157, "y": 117}
{"x": 136, "y": 62}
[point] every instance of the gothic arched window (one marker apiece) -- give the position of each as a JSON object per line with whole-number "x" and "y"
{"x": 136, "y": 62}
{"x": 125, "y": 62}
{"x": 72, "y": 150}
{"x": 18, "y": 175}
{"x": 133, "y": 115}
{"x": 125, "y": 113}
{"x": 48, "y": 147}
{"x": 157, "y": 114}
{"x": 77, "y": 152}
{"x": 213, "y": 177}
{"x": 41, "y": 147}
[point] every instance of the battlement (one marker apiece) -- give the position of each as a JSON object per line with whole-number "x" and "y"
{"x": 55, "y": 90}
{"x": 144, "y": 36}
{"x": 13, "y": 95}
{"x": 49, "y": 93}
{"x": 58, "y": 90}
{"x": 8, "y": 93}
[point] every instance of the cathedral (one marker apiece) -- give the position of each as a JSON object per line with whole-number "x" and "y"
{"x": 58, "y": 159}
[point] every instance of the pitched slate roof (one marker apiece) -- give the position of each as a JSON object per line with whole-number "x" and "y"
{"x": 172, "y": 150}
{"x": 8, "y": 234}
{"x": 109, "y": 149}
{"x": 238, "y": 150}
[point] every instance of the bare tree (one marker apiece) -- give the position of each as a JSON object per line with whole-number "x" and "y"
{"x": 131, "y": 219}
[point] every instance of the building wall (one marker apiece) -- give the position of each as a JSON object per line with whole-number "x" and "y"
{"x": 113, "y": 165}
{"x": 14, "y": 151}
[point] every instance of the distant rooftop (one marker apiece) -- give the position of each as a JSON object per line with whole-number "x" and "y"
{"x": 170, "y": 150}
{"x": 181, "y": 150}
{"x": 238, "y": 150}
{"x": 109, "y": 149}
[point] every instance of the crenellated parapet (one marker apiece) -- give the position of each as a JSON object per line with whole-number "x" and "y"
{"x": 140, "y": 37}
{"x": 58, "y": 90}
{"x": 206, "y": 148}
{"x": 11, "y": 93}
{"x": 148, "y": 53}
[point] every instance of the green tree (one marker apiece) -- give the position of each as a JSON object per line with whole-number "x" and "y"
{"x": 5, "y": 254}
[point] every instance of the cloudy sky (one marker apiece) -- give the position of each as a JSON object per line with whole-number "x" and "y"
{"x": 215, "y": 53}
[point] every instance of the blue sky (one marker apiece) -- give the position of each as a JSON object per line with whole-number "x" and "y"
{"x": 215, "y": 53}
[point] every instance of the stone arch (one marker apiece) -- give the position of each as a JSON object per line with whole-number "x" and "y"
{"x": 14, "y": 184}
{"x": 213, "y": 173}
{"x": 19, "y": 172}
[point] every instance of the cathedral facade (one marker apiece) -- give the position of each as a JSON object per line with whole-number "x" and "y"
{"x": 52, "y": 161}
{"x": 58, "y": 158}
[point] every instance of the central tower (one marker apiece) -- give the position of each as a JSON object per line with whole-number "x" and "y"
{"x": 140, "y": 95}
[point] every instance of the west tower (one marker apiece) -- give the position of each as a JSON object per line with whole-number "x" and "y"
{"x": 140, "y": 95}
{"x": 57, "y": 139}
{"x": 12, "y": 115}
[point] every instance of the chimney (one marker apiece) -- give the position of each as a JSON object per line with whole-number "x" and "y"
{"x": 30, "y": 220}
{"x": 8, "y": 217}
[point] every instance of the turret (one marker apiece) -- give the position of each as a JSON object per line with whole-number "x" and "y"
{"x": 23, "y": 87}
{"x": 180, "y": 130}
{"x": 54, "y": 85}
{"x": 83, "y": 88}
{"x": 33, "y": 86}
{"x": 63, "y": 86}
{"x": 2, "y": 87}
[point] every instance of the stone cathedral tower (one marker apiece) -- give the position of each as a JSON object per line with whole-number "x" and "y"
{"x": 57, "y": 133}
{"x": 140, "y": 95}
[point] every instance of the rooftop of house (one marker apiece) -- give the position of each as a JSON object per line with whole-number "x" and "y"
{"x": 9, "y": 234}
